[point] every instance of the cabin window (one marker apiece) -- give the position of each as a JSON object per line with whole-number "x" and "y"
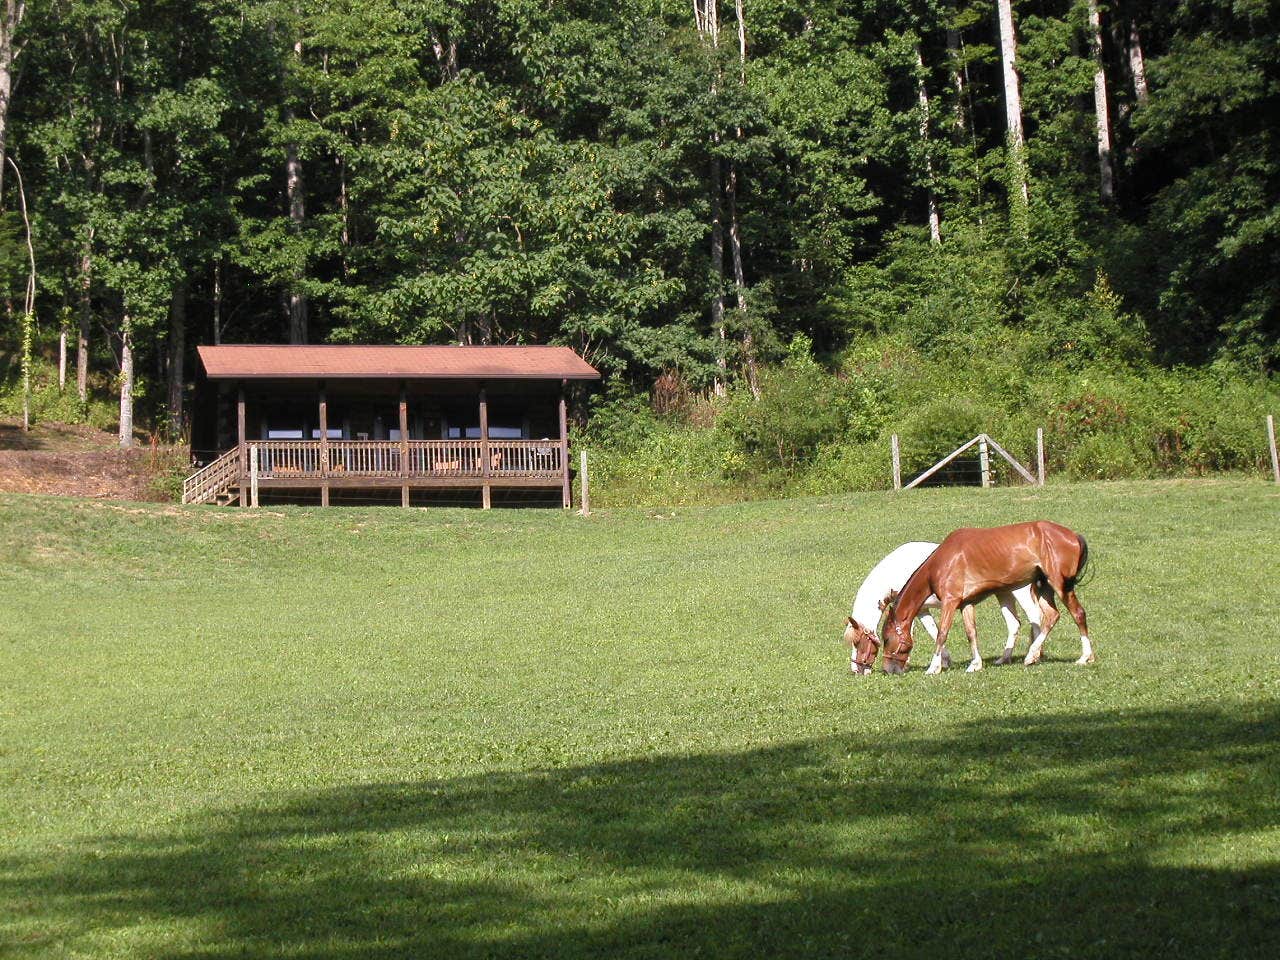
{"x": 284, "y": 434}
{"x": 495, "y": 433}
{"x": 334, "y": 433}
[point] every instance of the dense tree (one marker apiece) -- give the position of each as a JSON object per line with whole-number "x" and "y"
{"x": 663, "y": 192}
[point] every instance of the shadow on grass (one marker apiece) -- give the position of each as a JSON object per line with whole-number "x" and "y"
{"x": 1098, "y": 835}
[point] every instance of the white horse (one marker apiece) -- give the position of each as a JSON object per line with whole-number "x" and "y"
{"x": 891, "y": 574}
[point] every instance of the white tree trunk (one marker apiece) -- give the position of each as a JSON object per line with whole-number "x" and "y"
{"x": 296, "y": 196}
{"x": 717, "y": 275}
{"x": 82, "y": 338}
{"x": 706, "y": 18}
{"x": 126, "y": 383}
{"x": 14, "y": 11}
{"x": 1101, "y": 112}
{"x": 735, "y": 234}
{"x": 177, "y": 356}
{"x": 935, "y": 222}
{"x": 1138, "y": 65}
{"x": 957, "y": 79}
{"x": 1013, "y": 114}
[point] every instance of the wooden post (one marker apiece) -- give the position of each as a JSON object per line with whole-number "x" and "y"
{"x": 897, "y": 462}
{"x": 565, "y": 494}
{"x": 240, "y": 443}
{"x": 1040, "y": 456}
{"x": 404, "y": 444}
{"x": 1271, "y": 442}
{"x": 984, "y": 460}
{"x": 586, "y": 492}
{"x": 253, "y": 475}
{"x": 324, "y": 447}
{"x": 485, "y": 492}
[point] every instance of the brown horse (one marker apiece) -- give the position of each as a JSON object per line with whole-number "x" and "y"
{"x": 973, "y": 563}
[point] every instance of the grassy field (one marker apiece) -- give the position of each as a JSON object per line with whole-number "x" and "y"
{"x": 375, "y": 733}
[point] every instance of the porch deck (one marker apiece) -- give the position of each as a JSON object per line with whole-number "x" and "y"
{"x": 367, "y": 464}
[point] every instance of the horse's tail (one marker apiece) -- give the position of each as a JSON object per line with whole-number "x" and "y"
{"x": 1074, "y": 581}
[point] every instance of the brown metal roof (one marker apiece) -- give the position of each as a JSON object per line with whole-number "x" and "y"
{"x": 282, "y": 362}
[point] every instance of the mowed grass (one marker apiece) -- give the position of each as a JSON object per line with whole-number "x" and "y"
{"x": 384, "y": 733}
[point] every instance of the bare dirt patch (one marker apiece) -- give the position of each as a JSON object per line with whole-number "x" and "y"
{"x": 76, "y": 460}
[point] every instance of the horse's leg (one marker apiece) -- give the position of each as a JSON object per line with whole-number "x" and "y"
{"x": 969, "y": 615}
{"x": 944, "y": 625}
{"x": 1048, "y": 617}
{"x": 1077, "y": 614}
{"x": 931, "y": 627}
{"x": 1010, "y": 613}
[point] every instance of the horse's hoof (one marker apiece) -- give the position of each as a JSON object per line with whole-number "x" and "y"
{"x": 1030, "y": 661}
{"x": 974, "y": 667}
{"x": 1085, "y": 661}
{"x": 1004, "y": 660}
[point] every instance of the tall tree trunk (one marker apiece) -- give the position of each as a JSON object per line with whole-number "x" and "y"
{"x": 85, "y": 317}
{"x": 296, "y": 197}
{"x": 717, "y": 274}
{"x": 446, "y": 52}
{"x": 177, "y": 357}
{"x": 935, "y": 224}
{"x": 735, "y": 233}
{"x": 957, "y": 80}
{"x": 217, "y": 301}
{"x": 126, "y": 381}
{"x": 29, "y": 301}
{"x": 1137, "y": 65}
{"x": 1019, "y": 193}
{"x": 706, "y": 17}
{"x": 1105, "y": 171}
{"x": 10, "y": 20}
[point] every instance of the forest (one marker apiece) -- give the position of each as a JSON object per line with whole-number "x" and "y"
{"x": 740, "y": 212}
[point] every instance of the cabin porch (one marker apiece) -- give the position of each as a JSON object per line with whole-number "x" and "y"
{"x": 275, "y": 435}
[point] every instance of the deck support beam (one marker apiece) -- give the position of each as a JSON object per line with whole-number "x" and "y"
{"x": 564, "y": 448}
{"x": 241, "y": 443}
{"x": 324, "y": 447}
{"x": 486, "y": 468}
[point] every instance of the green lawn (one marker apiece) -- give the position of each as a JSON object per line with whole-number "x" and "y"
{"x": 385, "y": 733}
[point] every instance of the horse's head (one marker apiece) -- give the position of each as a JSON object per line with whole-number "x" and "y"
{"x": 863, "y": 646}
{"x": 897, "y": 644}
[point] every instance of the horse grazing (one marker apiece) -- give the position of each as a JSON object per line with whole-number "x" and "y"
{"x": 890, "y": 575}
{"x": 973, "y": 563}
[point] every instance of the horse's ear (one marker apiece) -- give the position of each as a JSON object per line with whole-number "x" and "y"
{"x": 889, "y": 600}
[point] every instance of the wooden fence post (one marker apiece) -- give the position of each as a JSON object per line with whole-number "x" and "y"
{"x": 253, "y": 475}
{"x": 586, "y": 492}
{"x": 1271, "y": 442}
{"x": 984, "y": 460}
{"x": 897, "y": 462}
{"x": 1040, "y": 455}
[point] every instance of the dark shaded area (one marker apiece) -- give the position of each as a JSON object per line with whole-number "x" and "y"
{"x": 1034, "y": 836}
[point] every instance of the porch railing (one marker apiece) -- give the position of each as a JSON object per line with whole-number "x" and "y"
{"x": 281, "y": 459}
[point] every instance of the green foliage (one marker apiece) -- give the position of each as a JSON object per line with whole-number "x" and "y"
{"x": 48, "y": 402}
{"x": 814, "y": 431}
{"x": 551, "y": 173}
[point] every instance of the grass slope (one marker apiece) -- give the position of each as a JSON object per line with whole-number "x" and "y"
{"x": 374, "y": 733}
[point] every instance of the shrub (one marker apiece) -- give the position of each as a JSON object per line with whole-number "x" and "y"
{"x": 1105, "y": 457}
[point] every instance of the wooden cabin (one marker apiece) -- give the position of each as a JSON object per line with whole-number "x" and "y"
{"x": 318, "y": 419}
